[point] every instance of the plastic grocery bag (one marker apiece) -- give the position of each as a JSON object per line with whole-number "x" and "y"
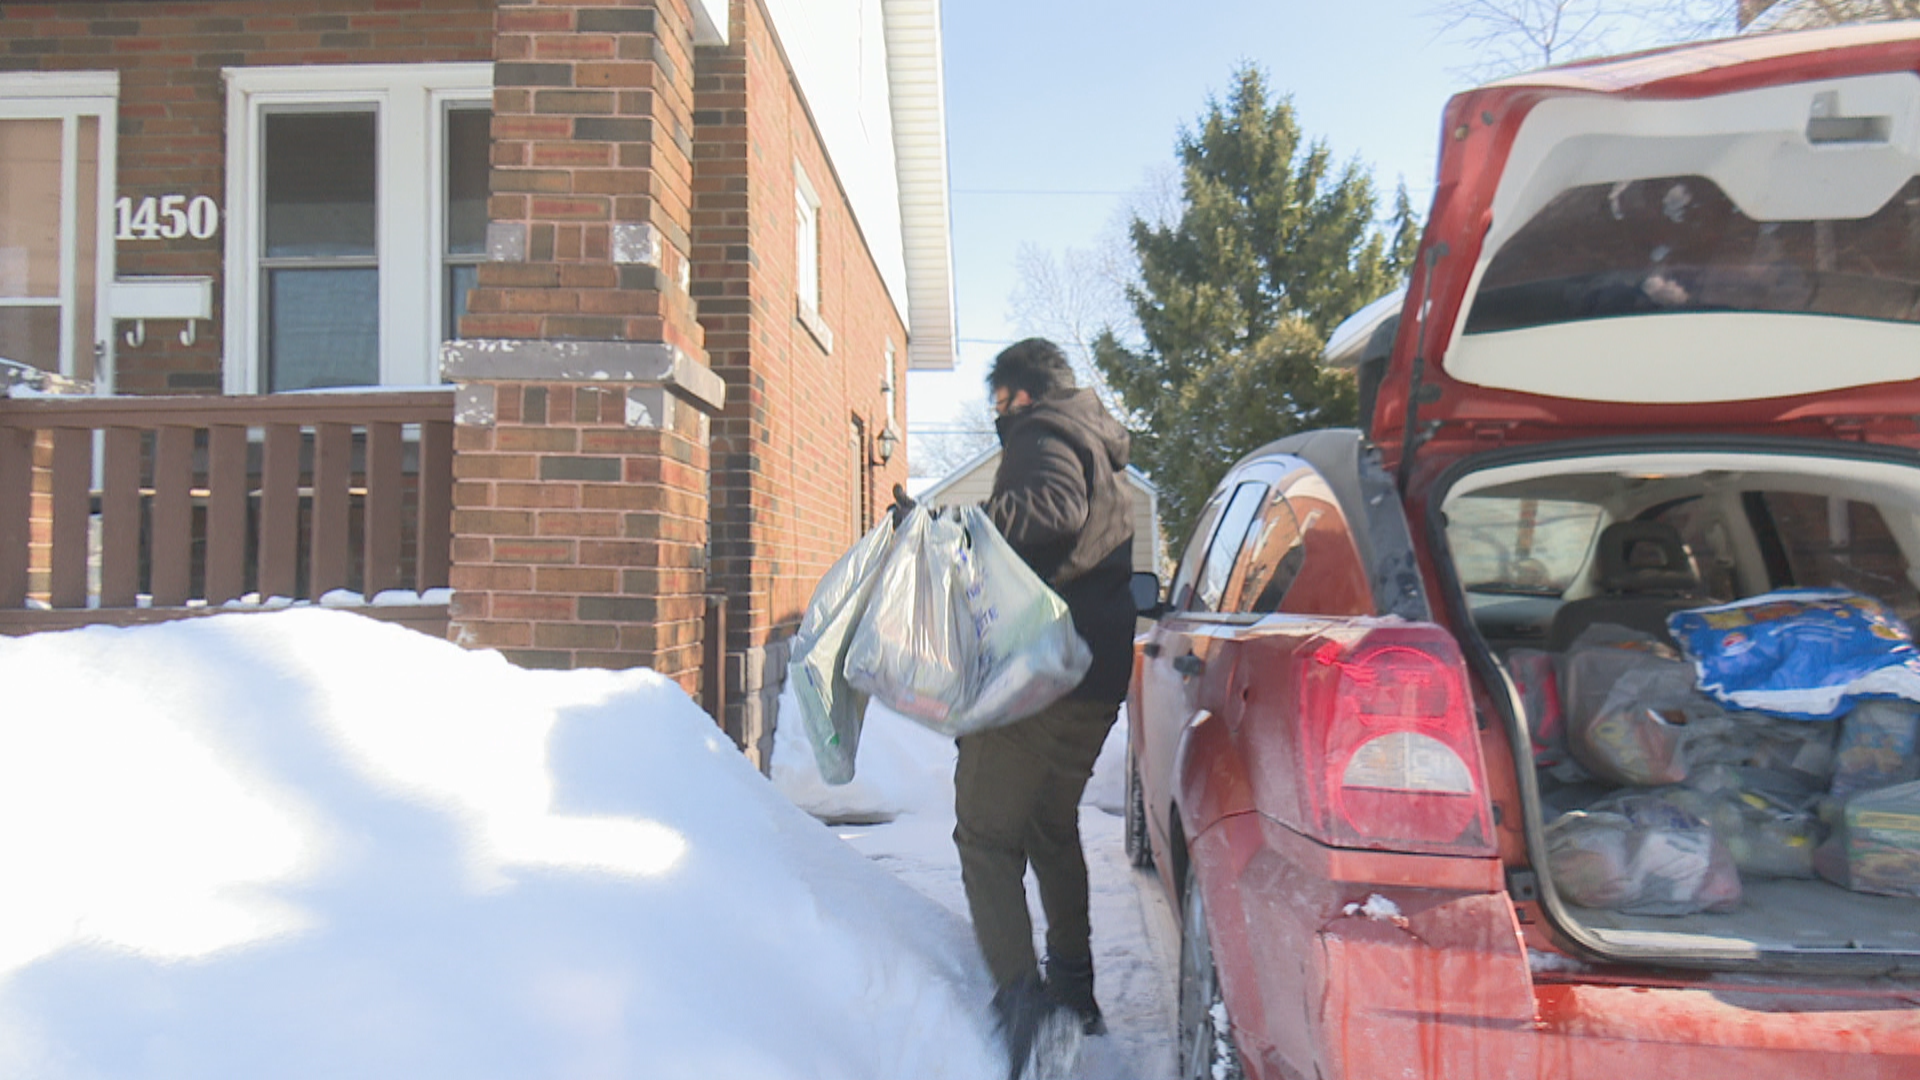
{"x": 1539, "y": 686}
{"x": 1876, "y": 747}
{"x": 1767, "y": 833}
{"x": 1027, "y": 651}
{"x": 1642, "y": 857}
{"x": 1632, "y": 708}
{"x": 915, "y": 647}
{"x": 1876, "y": 849}
{"x": 830, "y": 708}
{"x": 1803, "y": 653}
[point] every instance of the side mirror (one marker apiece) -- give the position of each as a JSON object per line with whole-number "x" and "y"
{"x": 1145, "y": 586}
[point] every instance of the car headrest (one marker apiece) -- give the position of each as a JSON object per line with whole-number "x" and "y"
{"x": 1644, "y": 557}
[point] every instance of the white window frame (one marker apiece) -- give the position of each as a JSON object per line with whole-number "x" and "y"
{"x": 410, "y": 102}
{"x": 67, "y": 97}
{"x": 806, "y": 258}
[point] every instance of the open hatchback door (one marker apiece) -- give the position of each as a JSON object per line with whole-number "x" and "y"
{"x": 1722, "y": 237}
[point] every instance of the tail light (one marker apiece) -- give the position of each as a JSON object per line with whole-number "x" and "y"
{"x": 1392, "y": 749}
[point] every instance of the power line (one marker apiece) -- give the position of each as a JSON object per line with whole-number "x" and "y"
{"x": 1036, "y": 191}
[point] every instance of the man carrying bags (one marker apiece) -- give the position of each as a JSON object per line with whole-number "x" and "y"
{"x": 1060, "y": 501}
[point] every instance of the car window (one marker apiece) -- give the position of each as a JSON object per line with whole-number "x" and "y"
{"x": 1678, "y": 244}
{"x": 1275, "y": 553}
{"x": 1181, "y": 594}
{"x": 1235, "y": 522}
{"x": 1518, "y": 546}
{"x": 1832, "y": 542}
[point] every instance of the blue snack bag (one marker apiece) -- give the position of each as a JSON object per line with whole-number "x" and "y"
{"x": 1801, "y": 653}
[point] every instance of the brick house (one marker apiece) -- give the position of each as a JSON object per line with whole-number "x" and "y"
{"x": 675, "y": 257}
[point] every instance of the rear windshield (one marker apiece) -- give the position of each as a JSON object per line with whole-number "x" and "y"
{"x": 1515, "y": 546}
{"x": 1678, "y": 244}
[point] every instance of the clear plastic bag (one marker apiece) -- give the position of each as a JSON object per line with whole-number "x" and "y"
{"x": 1539, "y": 686}
{"x": 1028, "y": 653}
{"x": 1632, "y": 708}
{"x": 1876, "y": 747}
{"x": 831, "y": 709}
{"x": 1768, "y": 830}
{"x": 1876, "y": 849}
{"x": 916, "y": 647}
{"x": 1642, "y": 857}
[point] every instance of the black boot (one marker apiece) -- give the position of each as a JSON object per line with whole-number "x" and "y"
{"x": 1038, "y": 1031}
{"x": 1070, "y": 982}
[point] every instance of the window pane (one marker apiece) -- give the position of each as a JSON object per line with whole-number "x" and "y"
{"x": 1275, "y": 559}
{"x": 460, "y": 278}
{"x": 1226, "y": 545}
{"x": 323, "y": 328}
{"x": 1678, "y": 244}
{"x": 86, "y": 256}
{"x": 30, "y": 208}
{"x": 320, "y": 184}
{"x": 1520, "y": 547}
{"x": 467, "y": 181}
{"x": 1832, "y": 542}
{"x": 31, "y": 335}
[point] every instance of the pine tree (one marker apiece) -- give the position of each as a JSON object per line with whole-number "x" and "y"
{"x": 1273, "y": 247}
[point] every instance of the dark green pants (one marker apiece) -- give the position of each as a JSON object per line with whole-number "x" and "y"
{"x": 1017, "y": 801}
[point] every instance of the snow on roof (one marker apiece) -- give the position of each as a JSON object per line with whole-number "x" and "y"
{"x": 306, "y": 843}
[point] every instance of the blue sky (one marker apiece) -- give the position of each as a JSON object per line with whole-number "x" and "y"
{"x": 1087, "y": 96}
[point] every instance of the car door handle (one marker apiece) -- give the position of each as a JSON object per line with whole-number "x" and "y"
{"x": 1151, "y": 648}
{"x": 1189, "y": 664}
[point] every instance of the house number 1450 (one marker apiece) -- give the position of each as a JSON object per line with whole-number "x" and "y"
{"x": 166, "y": 217}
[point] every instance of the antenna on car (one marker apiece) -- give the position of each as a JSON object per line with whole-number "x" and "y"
{"x": 1415, "y": 385}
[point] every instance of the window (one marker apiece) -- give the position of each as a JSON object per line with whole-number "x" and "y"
{"x": 56, "y": 187}
{"x": 1832, "y": 542}
{"x": 806, "y": 258}
{"x": 356, "y": 221}
{"x": 1520, "y": 546}
{"x": 1679, "y": 244}
{"x": 1274, "y": 560}
{"x": 1235, "y": 522}
{"x": 806, "y": 242}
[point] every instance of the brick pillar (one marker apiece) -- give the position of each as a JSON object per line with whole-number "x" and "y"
{"x": 580, "y": 503}
{"x": 581, "y": 468}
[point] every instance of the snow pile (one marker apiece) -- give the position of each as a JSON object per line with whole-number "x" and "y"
{"x": 309, "y": 844}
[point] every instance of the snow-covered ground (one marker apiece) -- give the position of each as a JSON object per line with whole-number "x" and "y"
{"x": 309, "y": 844}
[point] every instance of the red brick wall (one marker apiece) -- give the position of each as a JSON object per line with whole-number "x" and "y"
{"x": 783, "y": 504}
{"x": 578, "y": 539}
{"x": 173, "y": 109}
{"x": 591, "y": 111}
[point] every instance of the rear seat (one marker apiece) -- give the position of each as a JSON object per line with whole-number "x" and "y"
{"x": 1643, "y": 573}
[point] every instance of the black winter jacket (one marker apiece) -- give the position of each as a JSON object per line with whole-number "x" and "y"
{"x": 1060, "y": 500}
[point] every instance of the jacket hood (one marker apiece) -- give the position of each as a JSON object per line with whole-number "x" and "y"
{"x": 1078, "y": 415}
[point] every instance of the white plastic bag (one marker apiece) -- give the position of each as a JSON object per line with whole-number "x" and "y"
{"x": 830, "y": 708}
{"x": 1028, "y": 653}
{"x": 915, "y": 647}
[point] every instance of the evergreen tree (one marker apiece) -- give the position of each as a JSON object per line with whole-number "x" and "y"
{"x": 1235, "y": 299}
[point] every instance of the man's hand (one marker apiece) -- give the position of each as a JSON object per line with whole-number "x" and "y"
{"x": 902, "y": 502}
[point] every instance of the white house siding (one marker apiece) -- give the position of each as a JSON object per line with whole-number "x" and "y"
{"x": 838, "y": 50}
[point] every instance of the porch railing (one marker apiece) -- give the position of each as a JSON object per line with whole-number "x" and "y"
{"x": 132, "y": 509}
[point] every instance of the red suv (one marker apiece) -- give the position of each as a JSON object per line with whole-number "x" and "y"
{"x": 1662, "y": 352}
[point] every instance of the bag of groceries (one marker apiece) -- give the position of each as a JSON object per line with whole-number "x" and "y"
{"x": 1632, "y": 708}
{"x": 1876, "y": 847}
{"x": 1027, "y": 651}
{"x": 916, "y": 646}
{"x": 831, "y": 709}
{"x": 1642, "y": 856}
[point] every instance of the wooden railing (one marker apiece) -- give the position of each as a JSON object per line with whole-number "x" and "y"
{"x": 131, "y": 509}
